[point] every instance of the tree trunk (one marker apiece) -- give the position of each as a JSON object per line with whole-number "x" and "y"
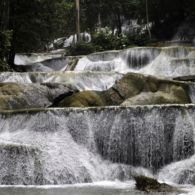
{"x": 4, "y": 16}
{"x": 119, "y": 23}
{"x": 78, "y": 20}
{"x": 99, "y": 20}
{"x": 147, "y": 20}
{"x": 12, "y": 26}
{"x": 99, "y": 15}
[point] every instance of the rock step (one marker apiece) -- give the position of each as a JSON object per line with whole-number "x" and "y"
{"x": 131, "y": 89}
{"x": 190, "y": 78}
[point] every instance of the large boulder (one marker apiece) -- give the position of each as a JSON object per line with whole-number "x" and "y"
{"x": 177, "y": 95}
{"x": 152, "y": 185}
{"x": 21, "y": 96}
{"x": 83, "y": 99}
{"x": 133, "y": 89}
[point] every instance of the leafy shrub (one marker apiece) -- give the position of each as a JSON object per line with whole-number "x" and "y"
{"x": 80, "y": 49}
{"x": 141, "y": 39}
{"x": 104, "y": 39}
{"x": 5, "y": 45}
{"x": 3, "y": 66}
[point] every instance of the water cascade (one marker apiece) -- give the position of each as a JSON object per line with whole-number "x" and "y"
{"x": 59, "y": 152}
{"x": 166, "y": 62}
{"x": 41, "y": 144}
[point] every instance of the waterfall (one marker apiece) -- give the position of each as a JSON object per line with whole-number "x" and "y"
{"x": 44, "y": 145}
{"x": 166, "y": 62}
{"x": 60, "y": 146}
{"x": 26, "y": 59}
{"x": 80, "y": 80}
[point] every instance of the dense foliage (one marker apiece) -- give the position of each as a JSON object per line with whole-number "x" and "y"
{"x": 35, "y": 23}
{"x": 5, "y": 45}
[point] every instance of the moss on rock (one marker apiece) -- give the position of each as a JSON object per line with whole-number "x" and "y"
{"x": 83, "y": 99}
{"x": 152, "y": 185}
{"x": 9, "y": 89}
{"x": 133, "y": 89}
{"x": 176, "y": 96}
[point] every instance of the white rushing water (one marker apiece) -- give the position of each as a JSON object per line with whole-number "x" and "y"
{"x": 97, "y": 151}
{"x": 167, "y": 62}
{"x": 25, "y": 59}
{"x": 62, "y": 146}
{"x": 97, "y": 81}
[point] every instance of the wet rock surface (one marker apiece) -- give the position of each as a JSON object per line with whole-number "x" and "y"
{"x": 133, "y": 89}
{"x": 152, "y": 185}
{"x": 121, "y": 136}
{"x": 18, "y": 96}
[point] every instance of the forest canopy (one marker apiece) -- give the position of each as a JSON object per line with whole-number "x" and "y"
{"x": 30, "y": 25}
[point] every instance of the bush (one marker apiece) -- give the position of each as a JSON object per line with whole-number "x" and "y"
{"x": 104, "y": 39}
{"x": 140, "y": 39}
{"x": 80, "y": 49}
{"x": 5, "y": 45}
{"x": 4, "y": 66}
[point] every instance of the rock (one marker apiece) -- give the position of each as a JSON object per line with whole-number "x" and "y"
{"x": 152, "y": 185}
{"x": 49, "y": 64}
{"x": 21, "y": 96}
{"x": 83, "y": 99}
{"x": 133, "y": 89}
{"x": 150, "y": 98}
{"x": 185, "y": 78}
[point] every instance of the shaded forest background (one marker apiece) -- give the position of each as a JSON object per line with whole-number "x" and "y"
{"x": 27, "y": 26}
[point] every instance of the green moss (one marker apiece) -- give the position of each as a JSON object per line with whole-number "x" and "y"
{"x": 130, "y": 85}
{"x": 10, "y": 89}
{"x": 180, "y": 93}
{"x": 83, "y": 99}
{"x": 152, "y": 185}
{"x": 133, "y": 89}
{"x": 145, "y": 183}
{"x": 149, "y": 98}
{"x": 80, "y": 49}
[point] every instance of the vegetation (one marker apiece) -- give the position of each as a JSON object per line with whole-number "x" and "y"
{"x": 5, "y": 45}
{"x": 103, "y": 39}
{"x": 131, "y": 89}
{"x": 80, "y": 49}
{"x": 36, "y": 23}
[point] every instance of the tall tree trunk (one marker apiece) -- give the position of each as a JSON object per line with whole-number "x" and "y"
{"x": 12, "y": 26}
{"x": 99, "y": 16}
{"x": 147, "y": 20}
{"x": 99, "y": 20}
{"x": 4, "y": 15}
{"x": 78, "y": 32}
{"x": 119, "y": 23}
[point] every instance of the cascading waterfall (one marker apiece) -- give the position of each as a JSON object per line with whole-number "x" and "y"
{"x": 81, "y": 80}
{"x": 73, "y": 145}
{"x": 57, "y": 146}
{"x": 168, "y": 62}
{"x": 165, "y": 62}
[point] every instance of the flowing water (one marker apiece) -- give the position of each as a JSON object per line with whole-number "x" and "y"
{"x": 166, "y": 62}
{"x": 98, "y": 151}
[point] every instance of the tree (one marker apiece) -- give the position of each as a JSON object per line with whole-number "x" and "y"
{"x": 77, "y": 2}
{"x": 147, "y": 20}
{"x": 5, "y": 34}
